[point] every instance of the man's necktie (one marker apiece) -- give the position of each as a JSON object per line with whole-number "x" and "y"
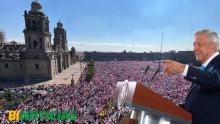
{"x": 202, "y": 67}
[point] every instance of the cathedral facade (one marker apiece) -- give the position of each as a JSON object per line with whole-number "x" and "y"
{"x": 36, "y": 60}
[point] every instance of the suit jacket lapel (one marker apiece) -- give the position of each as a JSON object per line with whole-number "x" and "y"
{"x": 212, "y": 62}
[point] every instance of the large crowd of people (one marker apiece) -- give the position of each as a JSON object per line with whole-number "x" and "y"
{"x": 92, "y": 100}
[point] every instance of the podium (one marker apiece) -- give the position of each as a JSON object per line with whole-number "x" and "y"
{"x": 147, "y": 106}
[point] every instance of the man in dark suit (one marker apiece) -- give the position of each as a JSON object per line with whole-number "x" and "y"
{"x": 203, "y": 100}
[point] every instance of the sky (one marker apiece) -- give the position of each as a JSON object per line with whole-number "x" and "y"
{"x": 117, "y": 25}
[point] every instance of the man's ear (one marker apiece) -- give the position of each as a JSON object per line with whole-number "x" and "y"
{"x": 214, "y": 46}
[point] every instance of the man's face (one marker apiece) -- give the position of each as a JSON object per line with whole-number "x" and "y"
{"x": 202, "y": 48}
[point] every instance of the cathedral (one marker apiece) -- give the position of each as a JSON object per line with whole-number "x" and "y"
{"x": 38, "y": 59}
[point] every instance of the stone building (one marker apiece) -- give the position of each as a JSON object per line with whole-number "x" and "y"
{"x": 2, "y": 38}
{"x": 37, "y": 60}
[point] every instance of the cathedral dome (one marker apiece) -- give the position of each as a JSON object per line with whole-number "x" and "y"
{"x": 73, "y": 49}
{"x": 59, "y": 24}
{"x": 36, "y": 6}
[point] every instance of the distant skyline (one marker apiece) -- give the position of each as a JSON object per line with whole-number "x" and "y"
{"x": 117, "y": 25}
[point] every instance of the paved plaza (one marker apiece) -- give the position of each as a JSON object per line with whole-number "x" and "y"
{"x": 74, "y": 71}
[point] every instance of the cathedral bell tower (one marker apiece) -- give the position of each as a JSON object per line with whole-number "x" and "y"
{"x": 60, "y": 40}
{"x": 36, "y": 32}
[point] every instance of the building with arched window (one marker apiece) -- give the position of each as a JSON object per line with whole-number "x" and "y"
{"x": 38, "y": 59}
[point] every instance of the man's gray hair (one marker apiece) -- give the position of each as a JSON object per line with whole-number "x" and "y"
{"x": 212, "y": 36}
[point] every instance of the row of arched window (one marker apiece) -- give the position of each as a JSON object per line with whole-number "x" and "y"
{"x": 35, "y": 25}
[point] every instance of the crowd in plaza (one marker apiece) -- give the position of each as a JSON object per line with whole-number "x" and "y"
{"x": 93, "y": 100}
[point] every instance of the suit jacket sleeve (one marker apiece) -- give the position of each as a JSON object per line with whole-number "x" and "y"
{"x": 206, "y": 79}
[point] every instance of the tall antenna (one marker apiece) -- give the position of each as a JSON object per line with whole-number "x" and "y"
{"x": 158, "y": 69}
{"x": 161, "y": 48}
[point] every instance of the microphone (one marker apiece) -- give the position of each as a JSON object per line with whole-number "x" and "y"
{"x": 146, "y": 69}
{"x": 156, "y": 72}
